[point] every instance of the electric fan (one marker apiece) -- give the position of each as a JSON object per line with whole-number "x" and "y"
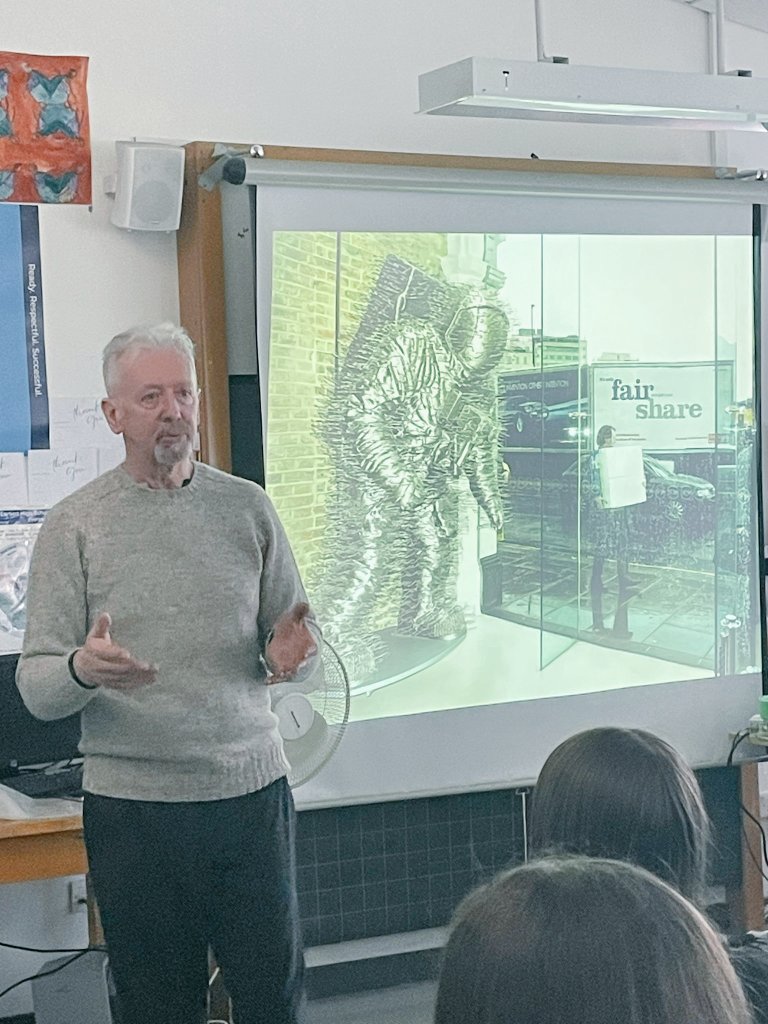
{"x": 312, "y": 714}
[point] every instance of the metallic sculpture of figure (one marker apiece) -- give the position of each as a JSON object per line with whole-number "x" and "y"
{"x": 413, "y": 409}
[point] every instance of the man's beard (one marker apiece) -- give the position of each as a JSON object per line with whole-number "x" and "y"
{"x": 170, "y": 455}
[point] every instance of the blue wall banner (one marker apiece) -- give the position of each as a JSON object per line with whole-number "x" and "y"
{"x": 23, "y": 382}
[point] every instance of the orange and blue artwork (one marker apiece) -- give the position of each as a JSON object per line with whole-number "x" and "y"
{"x": 45, "y": 146}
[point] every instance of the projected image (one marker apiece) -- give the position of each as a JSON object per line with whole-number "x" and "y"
{"x": 516, "y": 466}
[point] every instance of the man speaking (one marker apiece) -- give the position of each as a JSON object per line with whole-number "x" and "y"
{"x": 157, "y": 595}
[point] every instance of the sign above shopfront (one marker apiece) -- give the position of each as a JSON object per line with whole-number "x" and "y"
{"x": 663, "y": 406}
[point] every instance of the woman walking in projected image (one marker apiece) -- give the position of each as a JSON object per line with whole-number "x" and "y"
{"x": 608, "y": 530}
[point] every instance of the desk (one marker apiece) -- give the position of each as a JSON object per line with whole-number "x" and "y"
{"x": 38, "y": 848}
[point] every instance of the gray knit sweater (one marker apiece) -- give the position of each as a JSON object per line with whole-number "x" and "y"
{"x": 194, "y": 578}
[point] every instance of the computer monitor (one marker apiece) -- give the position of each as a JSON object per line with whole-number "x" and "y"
{"x": 24, "y": 739}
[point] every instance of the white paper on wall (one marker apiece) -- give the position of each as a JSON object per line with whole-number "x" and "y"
{"x": 13, "y": 480}
{"x": 622, "y": 476}
{"x": 80, "y": 423}
{"x": 52, "y": 474}
{"x": 108, "y": 458}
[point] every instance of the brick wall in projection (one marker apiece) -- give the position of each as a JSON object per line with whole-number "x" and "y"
{"x": 318, "y": 276}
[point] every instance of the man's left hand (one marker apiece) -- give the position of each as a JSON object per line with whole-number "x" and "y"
{"x": 291, "y": 644}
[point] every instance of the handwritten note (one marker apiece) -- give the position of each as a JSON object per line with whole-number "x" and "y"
{"x": 55, "y": 473}
{"x": 80, "y": 423}
{"x": 13, "y": 480}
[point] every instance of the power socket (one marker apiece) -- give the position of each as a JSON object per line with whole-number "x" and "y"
{"x": 77, "y": 895}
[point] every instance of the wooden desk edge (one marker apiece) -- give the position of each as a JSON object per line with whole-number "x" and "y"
{"x": 14, "y": 828}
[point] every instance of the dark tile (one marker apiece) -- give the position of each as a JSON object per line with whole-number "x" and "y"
{"x": 461, "y": 858}
{"x": 326, "y": 823}
{"x": 328, "y": 902}
{"x": 416, "y": 813}
{"x": 482, "y": 805}
{"x": 461, "y": 883}
{"x": 308, "y": 904}
{"x": 439, "y": 860}
{"x": 374, "y": 896}
{"x": 326, "y": 849}
{"x": 310, "y": 932}
{"x": 440, "y": 887}
{"x": 348, "y": 819}
{"x": 374, "y": 869}
{"x": 372, "y": 843}
{"x": 396, "y": 892}
{"x": 439, "y": 835}
{"x": 461, "y": 806}
{"x": 371, "y": 817}
{"x": 418, "y": 915}
{"x": 305, "y": 825}
{"x": 353, "y": 925}
{"x": 376, "y": 921}
{"x": 417, "y": 838}
{"x": 418, "y": 863}
{"x": 482, "y": 830}
{"x": 482, "y": 855}
{"x": 305, "y": 851}
{"x": 460, "y": 832}
{"x": 394, "y": 814}
{"x": 440, "y": 912}
{"x": 351, "y": 898}
{"x": 329, "y": 929}
{"x": 439, "y": 809}
{"x": 350, "y": 845}
{"x": 397, "y": 919}
{"x": 419, "y": 889}
{"x": 328, "y": 876}
{"x": 503, "y": 830}
{"x": 306, "y": 878}
{"x": 351, "y": 872}
{"x": 394, "y": 840}
{"x": 502, "y": 801}
{"x": 396, "y": 867}
{"x": 502, "y": 854}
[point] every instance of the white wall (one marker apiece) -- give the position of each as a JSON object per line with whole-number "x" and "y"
{"x": 338, "y": 73}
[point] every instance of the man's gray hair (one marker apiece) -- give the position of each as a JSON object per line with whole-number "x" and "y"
{"x": 152, "y": 336}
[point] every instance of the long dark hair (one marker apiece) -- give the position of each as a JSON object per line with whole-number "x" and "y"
{"x": 626, "y": 794}
{"x": 587, "y": 941}
{"x": 604, "y": 434}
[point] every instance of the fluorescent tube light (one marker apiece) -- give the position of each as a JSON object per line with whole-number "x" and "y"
{"x": 543, "y": 91}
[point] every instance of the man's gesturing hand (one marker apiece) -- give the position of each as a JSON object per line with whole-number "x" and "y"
{"x": 101, "y": 662}
{"x": 291, "y": 644}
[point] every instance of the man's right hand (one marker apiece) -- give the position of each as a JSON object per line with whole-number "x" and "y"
{"x": 101, "y": 662}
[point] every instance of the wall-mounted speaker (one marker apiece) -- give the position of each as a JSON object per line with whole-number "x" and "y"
{"x": 148, "y": 186}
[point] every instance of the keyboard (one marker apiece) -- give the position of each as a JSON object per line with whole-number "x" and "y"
{"x": 67, "y": 782}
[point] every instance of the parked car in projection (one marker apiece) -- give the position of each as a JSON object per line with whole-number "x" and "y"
{"x": 676, "y": 519}
{"x": 543, "y": 408}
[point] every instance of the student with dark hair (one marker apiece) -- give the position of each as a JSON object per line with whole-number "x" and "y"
{"x": 585, "y": 941}
{"x": 627, "y": 794}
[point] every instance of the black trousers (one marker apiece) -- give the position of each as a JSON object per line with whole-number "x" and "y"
{"x": 172, "y": 879}
{"x": 621, "y": 617}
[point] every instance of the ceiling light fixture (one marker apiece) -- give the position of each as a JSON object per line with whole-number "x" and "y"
{"x": 555, "y": 91}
